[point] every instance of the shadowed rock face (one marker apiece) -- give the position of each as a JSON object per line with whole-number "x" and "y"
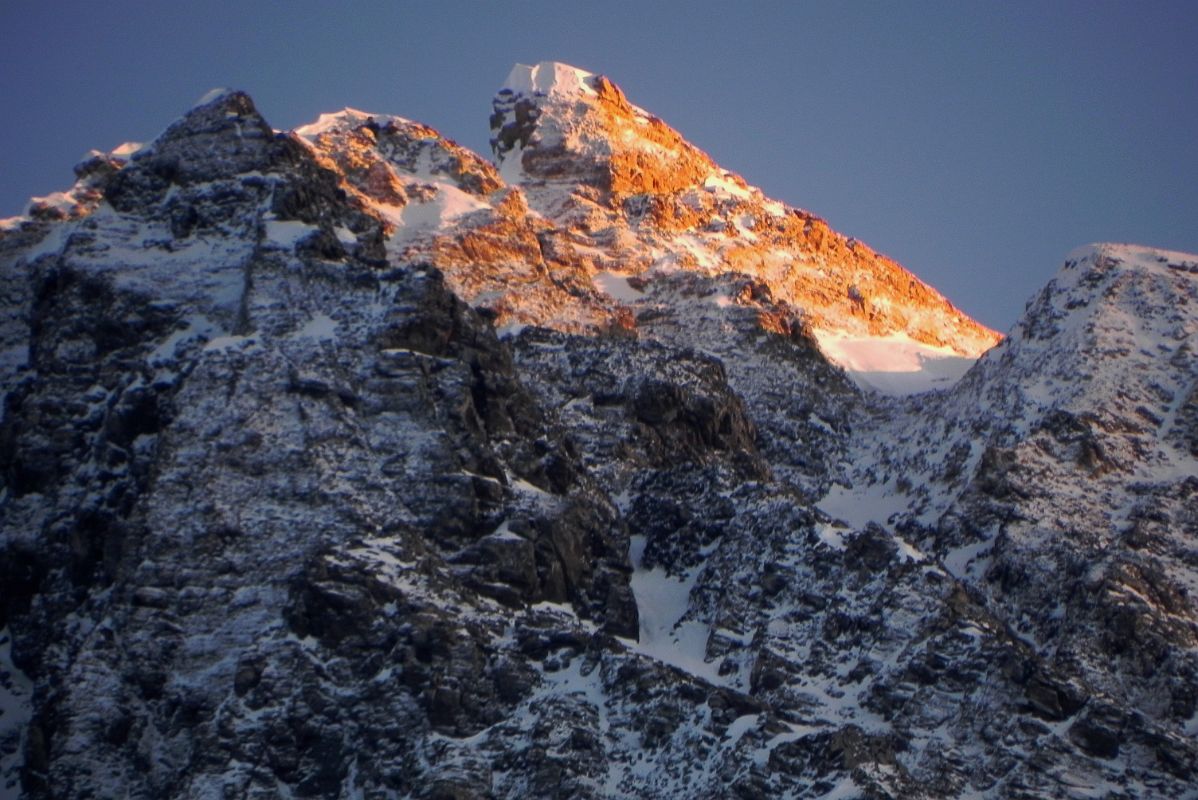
{"x": 213, "y": 469}
{"x": 282, "y": 514}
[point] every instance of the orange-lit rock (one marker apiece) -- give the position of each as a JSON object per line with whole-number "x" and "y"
{"x": 596, "y": 185}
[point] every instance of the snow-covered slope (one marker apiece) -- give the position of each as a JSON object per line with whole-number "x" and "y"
{"x": 343, "y": 463}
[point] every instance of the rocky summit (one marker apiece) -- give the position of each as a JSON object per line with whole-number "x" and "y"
{"x": 344, "y": 462}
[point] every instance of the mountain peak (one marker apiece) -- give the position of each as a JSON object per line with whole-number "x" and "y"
{"x": 1108, "y": 302}
{"x": 554, "y": 122}
{"x": 218, "y": 94}
{"x": 591, "y": 192}
{"x": 1102, "y": 286}
{"x": 222, "y": 135}
{"x": 591, "y": 161}
{"x": 549, "y": 77}
{"x": 348, "y": 119}
{"x": 1132, "y": 256}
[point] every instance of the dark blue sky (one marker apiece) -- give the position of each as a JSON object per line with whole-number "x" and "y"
{"x": 977, "y": 143}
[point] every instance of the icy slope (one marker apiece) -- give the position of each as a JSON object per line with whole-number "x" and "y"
{"x": 895, "y": 364}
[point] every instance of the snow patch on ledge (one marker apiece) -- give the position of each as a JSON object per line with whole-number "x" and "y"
{"x": 895, "y": 364}
{"x": 617, "y": 287}
{"x": 127, "y": 150}
{"x": 666, "y": 635}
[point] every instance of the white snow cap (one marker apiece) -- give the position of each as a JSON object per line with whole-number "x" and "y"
{"x": 1125, "y": 257}
{"x": 213, "y": 95}
{"x": 1130, "y": 253}
{"x": 549, "y": 78}
{"x": 345, "y": 120}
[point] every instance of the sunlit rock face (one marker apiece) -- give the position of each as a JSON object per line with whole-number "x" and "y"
{"x": 558, "y": 122}
{"x": 341, "y": 462}
{"x": 595, "y": 191}
{"x": 619, "y": 181}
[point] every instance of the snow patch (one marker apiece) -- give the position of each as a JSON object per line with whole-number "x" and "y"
{"x": 844, "y": 789}
{"x": 286, "y": 233}
{"x": 321, "y": 327}
{"x": 511, "y": 166}
{"x": 739, "y": 727}
{"x": 862, "y": 504}
{"x": 53, "y": 243}
{"x": 59, "y": 201}
{"x": 510, "y": 330}
{"x": 617, "y": 286}
{"x": 895, "y": 364}
{"x": 127, "y": 150}
{"x": 449, "y": 204}
{"x": 662, "y": 602}
{"x": 231, "y": 343}
{"x": 968, "y": 561}
{"x": 196, "y": 325}
{"x": 723, "y": 184}
{"x": 347, "y": 119}
{"x": 831, "y": 535}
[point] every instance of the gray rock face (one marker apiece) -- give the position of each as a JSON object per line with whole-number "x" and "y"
{"x": 282, "y": 516}
{"x": 207, "y": 485}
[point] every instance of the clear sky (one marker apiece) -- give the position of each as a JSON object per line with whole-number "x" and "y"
{"x": 976, "y": 143}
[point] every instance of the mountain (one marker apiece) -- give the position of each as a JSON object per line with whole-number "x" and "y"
{"x": 342, "y": 462}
